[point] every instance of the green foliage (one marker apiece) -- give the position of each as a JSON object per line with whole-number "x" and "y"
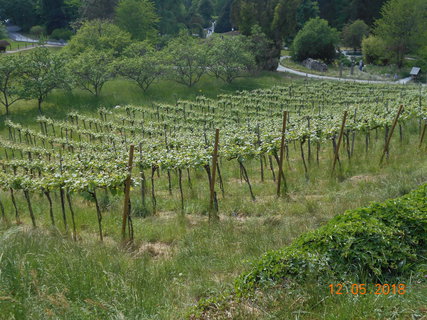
{"x": 376, "y": 243}
{"x": 277, "y": 19}
{"x": 99, "y": 35}
{"x": 230, "y": 57}
{"x": 98, "y": 9}
{"x": 316, "y": 40}
{"x": 400, "y": 26}
{"x": 224, "y": 21}
{"x": 375, "y": 51}
{"x": 422, "y": 59}
{"x": 341, "y": 12}
{"x": 144, "y": 68}
{"x": 187, "y": 59}
{"x": 61, "y": 34}
{"x": 206, "y": 11}
{"x": 137, "y": 49}
{"x": 138, "y": 17}
{"x": 353, "y": 34}
{"x": 38, "y": 31}
{"x": 71, "y": 9}
{"x": 364, "y": 10}
{"x": 11, "y": 67}
{"x": 344, "y": 60}
{"x": 52, "y": 14}
{"x": 260, "y": 46}
{"x": 90, "y": 70}
{"x": 307, "y": 10}
{"x": 21, "y": 12}
{"x": 3, "y": 31}
{"x": 44, "y": 71}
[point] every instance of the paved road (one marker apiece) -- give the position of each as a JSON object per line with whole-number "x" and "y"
{"x": 14, "y": 34}
{"x": 315, "y": 76}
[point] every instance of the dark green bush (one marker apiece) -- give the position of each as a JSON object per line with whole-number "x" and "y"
{"x": 38, "y": 31}
{"x": 377, "y": 243}
{"x": 375, "y": 51}
{"x": 317, "y": 40}
{"x": 61, "y": 34}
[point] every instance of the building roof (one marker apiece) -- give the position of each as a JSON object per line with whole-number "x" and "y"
{"x": 415, "y": 71}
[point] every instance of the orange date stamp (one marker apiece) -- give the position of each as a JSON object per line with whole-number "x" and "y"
{"x": 362, "y": 289}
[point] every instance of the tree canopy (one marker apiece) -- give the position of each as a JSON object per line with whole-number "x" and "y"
{"x": 353, "y": 34}
{"x": 99, "y": 35}
{"x": 138, "y": 17}
{"x": 276, "y": 18}
{"x": 401, "y": 24}
{"x": 316, "y": 40}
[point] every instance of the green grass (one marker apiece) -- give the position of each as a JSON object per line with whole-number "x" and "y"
{"x": 122, "y": 92}
{"x": 380, "y": 244}
{"x": 178, "y": 259}
{"x": 17, "y": 45}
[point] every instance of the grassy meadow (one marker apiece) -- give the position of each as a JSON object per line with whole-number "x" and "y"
{"x": 178, "y": 259}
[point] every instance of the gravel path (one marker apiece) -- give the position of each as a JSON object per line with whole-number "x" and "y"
{"x": 315, "y": 76}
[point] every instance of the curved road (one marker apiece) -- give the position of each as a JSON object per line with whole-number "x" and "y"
{"x": 315, "y": 76}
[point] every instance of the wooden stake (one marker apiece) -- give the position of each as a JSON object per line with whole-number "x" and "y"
{"x": 387, "y": 144}
{"x": 282, "y": 148}
{"x": 337, "y": 149}
{"x": 127, "y": 192}
{"x": 212, "y": 209}
{"x": 423, "y": 134}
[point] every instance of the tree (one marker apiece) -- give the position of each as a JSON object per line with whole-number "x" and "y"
{"x": 224, "y": 21}
{"x": 353, "y": 34}
{"x": 307, "y": 10}
{"x": 44, "y": 71}
{"x": 138, "y": 48}
{"x": 99, "y": 35}
{"x": 98, "y": 9}
{"x": 316, "y": 40}
{"x": 52, "y": 14}
{"x": 206, "y": 11}
{"x": 336, "y": 12}
{"x": 230, "y": 57}
{"x": 366, "y": 10}
{"x": 401, "y": 24}
{"x": 143, "y": 69}
{"x": 10, "y": 80}
{"x": 138, "y": 17}
{"x": 375, "y": 51}
{"x": 91, "y": 70}
{"x": 71, "y": 9}
{"x": 260, "y": 45}
{"x": 277, "y": 19}
{"x": 187, "y": 59}
{"x": 22, "y": 12}
{"x": 3, "y": 31}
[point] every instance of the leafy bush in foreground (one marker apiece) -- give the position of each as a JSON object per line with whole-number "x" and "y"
{"x": 383, "y": 241}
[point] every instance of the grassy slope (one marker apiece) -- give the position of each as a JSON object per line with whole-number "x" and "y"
{"x": 122, "y": 92}
{"x": 336, "y": 253}
{"x": 177, "y": 260}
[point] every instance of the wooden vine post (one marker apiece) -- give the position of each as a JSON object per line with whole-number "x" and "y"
{"x": 387, "y": 144}
{"x": 213, "y": 210}
{"x": 423, "y": 134}
{"x": 127, "y": 192}
{"x": 337, "y": 150}
{"x": 282, "y": 149}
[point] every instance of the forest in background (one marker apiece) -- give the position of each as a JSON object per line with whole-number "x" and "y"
{"x": 178, "y": 14}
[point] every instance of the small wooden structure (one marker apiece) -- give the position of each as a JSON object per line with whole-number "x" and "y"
{"x": 3, "y": 45}
{"x": 415, "y": 73}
